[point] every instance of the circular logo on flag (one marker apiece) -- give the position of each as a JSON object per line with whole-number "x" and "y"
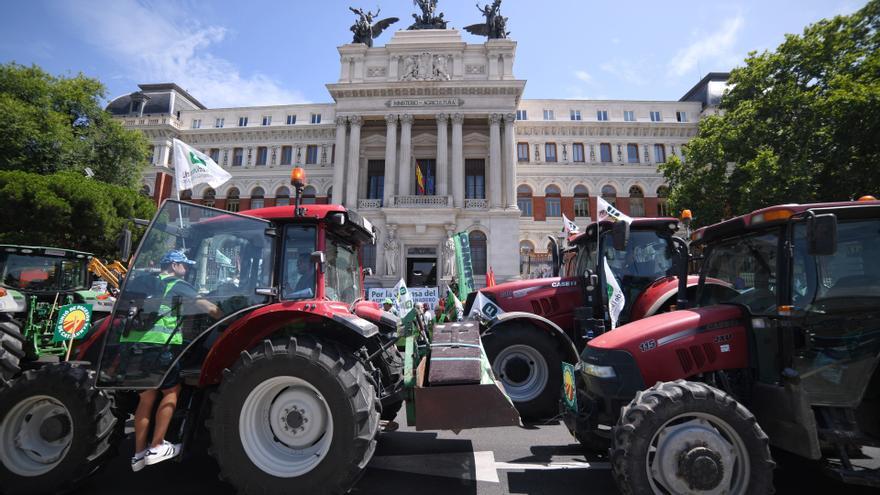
{"x": 568, "y": 383}
{"x": 73, "y": 322}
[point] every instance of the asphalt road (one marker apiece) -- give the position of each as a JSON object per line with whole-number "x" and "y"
{"x": 535, "y": 460}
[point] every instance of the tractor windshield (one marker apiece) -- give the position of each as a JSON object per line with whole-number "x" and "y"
{"x": 195, "y": 266}
{"x": 746, "y": 267}
{"x": 648, "y": 256}
{"x": 36, "y": 273}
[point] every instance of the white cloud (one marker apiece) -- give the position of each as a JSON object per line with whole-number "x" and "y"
{"x": 165, "y": 46}
{"x": 583, "y": 76}
{"x": 626, "y": 71}
{"x": 715, "y": 50}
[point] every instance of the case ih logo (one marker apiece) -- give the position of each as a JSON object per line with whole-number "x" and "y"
{"x": 648, "y": 345}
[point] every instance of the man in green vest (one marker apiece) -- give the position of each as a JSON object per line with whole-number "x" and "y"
{"x": 173, "y": 291}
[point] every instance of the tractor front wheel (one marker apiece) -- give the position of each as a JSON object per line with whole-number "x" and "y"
{"x": 688, "y": 437}
{"x": 528, "y": 363}
{"x": 55, "y": 430}
{"x": 296, "y": 415}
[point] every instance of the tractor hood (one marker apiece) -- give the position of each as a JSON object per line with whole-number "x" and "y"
{"x": 553, "y": 298}
{"x": 679, "y": 344}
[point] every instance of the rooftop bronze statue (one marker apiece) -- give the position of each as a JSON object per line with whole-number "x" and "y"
{"x": 365, "y": 30}
{"x": 495, "y": 26}
{"x": 427, "y": 20}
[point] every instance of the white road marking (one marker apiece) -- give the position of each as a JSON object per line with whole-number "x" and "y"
{"x": 473, "y": 466}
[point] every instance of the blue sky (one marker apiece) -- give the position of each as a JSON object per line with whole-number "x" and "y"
{"x": 257, "y": 52}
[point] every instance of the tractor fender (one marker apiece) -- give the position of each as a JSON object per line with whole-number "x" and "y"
{"x": 324, "y": 318}
{"x": 664, "y": 291}
{"x": 568, "y": 348}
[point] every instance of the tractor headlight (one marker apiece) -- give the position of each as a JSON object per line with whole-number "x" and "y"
{"x": 599, "y": 371}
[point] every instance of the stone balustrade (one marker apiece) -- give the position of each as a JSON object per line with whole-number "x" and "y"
{"x": 365, "y": 204}
{"x": 423, "y": 201}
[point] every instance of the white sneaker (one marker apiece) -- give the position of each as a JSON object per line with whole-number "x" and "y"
{"x": 163, "y": 452}
{"x": 138, "y": 461}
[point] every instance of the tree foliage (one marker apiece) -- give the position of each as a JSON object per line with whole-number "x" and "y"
{"x": 799, "y": 124}
{"x": 66, "y": 210}
{"x": 53, "y": 124}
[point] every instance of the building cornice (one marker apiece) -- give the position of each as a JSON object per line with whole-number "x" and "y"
{"x": 419, "y": 88}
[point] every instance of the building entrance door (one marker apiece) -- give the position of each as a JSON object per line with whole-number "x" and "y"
{"x": 421, "y": 272}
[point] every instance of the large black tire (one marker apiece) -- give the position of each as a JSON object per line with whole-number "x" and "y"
{"x": 689, "y": 418}
{"x": 53, "y": 410}
{"x": 527, "y": 361}
{"x": 391, "y": 367}
{"x": 11, "y": 348}
{"x": 336, "y": 377}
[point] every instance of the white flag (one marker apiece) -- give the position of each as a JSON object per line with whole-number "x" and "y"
{"x": 402, "y": 299}
{"x": 610, "y": 213}
{"x": 192, "y": 167}
{"x": 616, "y": 299}
{"x": 568, "y": 226}
{"x": 485, "y": 307}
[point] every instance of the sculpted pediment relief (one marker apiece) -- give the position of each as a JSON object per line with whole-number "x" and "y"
{"x": 426, "y": 67}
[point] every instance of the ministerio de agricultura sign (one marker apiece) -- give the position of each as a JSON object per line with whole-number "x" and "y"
{"x": 425, "y": 102}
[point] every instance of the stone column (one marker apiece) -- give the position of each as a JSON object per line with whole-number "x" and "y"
{"x": 354, "y": 158}
{"x": 510, "y": 161}
{"x": 457, "y": 161}
{"x": 164, "y": 152}
{"x": 406, "y": 122}
{"x": 442, "y": 156}
{"x": 495, "y": 160}
{"x": 390, "y": 158}
{"x": 339, "y": 161}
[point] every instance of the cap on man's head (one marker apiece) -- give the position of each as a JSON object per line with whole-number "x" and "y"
{"x": 387, "y": 301}
{"x": 175, "y": 257}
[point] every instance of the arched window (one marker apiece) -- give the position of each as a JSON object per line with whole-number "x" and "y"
{"x": 146, "y": 191}
{"x": 330, "y": 194}
{"x": 662, "y": 201}
{"x": 524, "y": 200}
{"x": 208, "y": 196}
{"x": 609, "y": 194}
{"x": 282, "y": 196}
{"x": 581, "y": 201}
{"x": 636, "y": 202}
{"x": 258, "y": 198}
{"x": 232, "y": 199}
{"x": 308, "y": 197}
{"x": 553, "y": 201}
{"x": 477, "y": 241}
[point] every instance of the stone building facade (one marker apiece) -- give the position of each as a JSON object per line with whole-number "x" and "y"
{"x": 426, "y": 136}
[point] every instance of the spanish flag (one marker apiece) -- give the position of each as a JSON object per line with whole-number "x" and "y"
{"x": 420, "y": 179}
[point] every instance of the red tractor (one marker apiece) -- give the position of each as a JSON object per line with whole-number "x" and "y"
{"x": 784, "y": 352}
{"x": 547, "y": 321}
{"x": 286, "y": 370}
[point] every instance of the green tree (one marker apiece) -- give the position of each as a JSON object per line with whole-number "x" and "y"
{"x": 799, "y": 124}
{"x": 66, "y": 210}
{"x": 53, "y": 124}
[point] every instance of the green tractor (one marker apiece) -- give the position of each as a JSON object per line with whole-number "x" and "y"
{"x": 36, "y": 284}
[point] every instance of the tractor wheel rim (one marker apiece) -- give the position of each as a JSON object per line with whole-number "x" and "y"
{"x": 286, "y": 426}
{"x": 523, "y": 371}
{"x": 698, "y": 453}
{"x": 36, "y": 435}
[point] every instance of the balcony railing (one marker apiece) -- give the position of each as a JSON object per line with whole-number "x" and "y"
{"x": 422, "y": 201}
{"x": 476, "y": 204}
{"x": 148, "y": 121}
{"x": 365, "y": 204}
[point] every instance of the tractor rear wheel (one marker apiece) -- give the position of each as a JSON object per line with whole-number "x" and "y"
{"x": 688, "y": 437}
{"x": 55, "y": 430}
{"x": 527, "y": 361}
{"x": 11, "y": 348}
{"x": 294, "y": 415}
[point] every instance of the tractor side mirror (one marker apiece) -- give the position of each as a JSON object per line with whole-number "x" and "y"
{"x": 336, "y": 218}
{"x": 318, "y": 258}
{"x": 620, "y": 235}
{"x": 822, "y": 235}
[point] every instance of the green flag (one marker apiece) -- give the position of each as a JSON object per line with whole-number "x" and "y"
{"x": 464, "y": 267}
